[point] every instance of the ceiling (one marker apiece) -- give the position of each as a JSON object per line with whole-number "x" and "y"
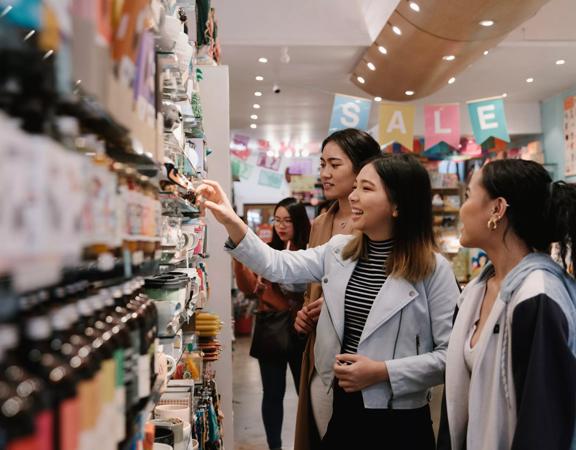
{"x": 325, "y": 39}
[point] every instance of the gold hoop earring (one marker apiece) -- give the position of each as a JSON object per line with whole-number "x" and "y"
{"x": 492, "y": 224}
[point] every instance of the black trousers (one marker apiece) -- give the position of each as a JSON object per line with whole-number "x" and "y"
{"x": 354, "y": 427}
{"x": 273, "y": 375}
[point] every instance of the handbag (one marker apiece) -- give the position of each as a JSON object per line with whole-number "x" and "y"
{"x": 273, "y": 338}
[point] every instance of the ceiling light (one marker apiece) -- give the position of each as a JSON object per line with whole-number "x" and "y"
{"x": 371, "y": 66}
{"x": 254, "y": 117}
{"x": 530, "y": 80}
{"x": 409, "y": 92}
{"x": 414, "y": 6}
{"x": 560, "y": 62}
{"x": 262, "y": 60}
{"x": 288, "y": 153}
{"x": 253, "y": 126}
{"x": 270, "y": 153}
{"x": 485, "y": 52}
{"x": 305, "y": 153}
{"x": 504, "y": 95}
{"x": 397, "y": 30}
{"x": 256, "y": 106}
{"x": 361, "y": 80}
{"x": 377, "y": 99}
{"x": 259, "y": 78}
{"x": 258, "y": 94}
{"x": 449, "y": 58}
{"x": 486, "y": 23}
{"x": 382, "y": 50}
{"x": 451, "y": 80}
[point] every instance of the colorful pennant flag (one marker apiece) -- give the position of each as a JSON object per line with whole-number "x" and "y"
{"x": 396, "y": 124}
{"x": 442, "y": 124}
{"x": 349, "y": 112}
{"x": 488, "y": 119}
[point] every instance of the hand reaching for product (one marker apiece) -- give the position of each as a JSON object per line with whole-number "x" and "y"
{"x": 211, "y": 195}
{"x": 307, "y": 317}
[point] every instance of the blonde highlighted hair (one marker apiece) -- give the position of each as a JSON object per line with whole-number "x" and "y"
{"x": 407, "y": 186}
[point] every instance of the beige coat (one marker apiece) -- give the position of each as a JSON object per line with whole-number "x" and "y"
{"x": 307, "y": 437}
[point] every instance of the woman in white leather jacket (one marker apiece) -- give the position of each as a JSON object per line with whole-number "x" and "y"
{"x": 389, "y": 301}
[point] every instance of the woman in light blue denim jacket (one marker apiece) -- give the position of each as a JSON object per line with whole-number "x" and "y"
{"x": 389, "y": 302}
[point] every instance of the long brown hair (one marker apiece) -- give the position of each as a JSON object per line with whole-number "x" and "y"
{"x": 407, "y": 186}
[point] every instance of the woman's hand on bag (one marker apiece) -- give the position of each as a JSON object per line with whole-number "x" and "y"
{"x": 211, "y": 195}
{"x": 356, "y": 372}
{"x": 307, "y": 317}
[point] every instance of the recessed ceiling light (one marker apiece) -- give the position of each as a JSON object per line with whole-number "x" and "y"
{"x": 409, "y": 92}
{"x": 486, "y": 23}
{"x": 254, "y": 117}
{"x": 259, "y": 78}
{"x": 449, "y": 58}
{"x": 256, "y": 106}
{"x": 258, "y": 94}
{"x": 451, "y": 80}
{"x": 377, "y": 99}
{"x": 485, "y": 52}
{"x": 560, "y": 62}
{"x": 530, "y": 80}
{"x": 504, "y": 95}
{"x": 371, "y": 66}
{"x": 361, "y": 80}
{"x": 270, "y": 153}
{"x": 397, "y": 30}
{"x": 382, "y": 50}
{"x": 414, "y": 6}
{"x": 263, "y": 60}
{"x": 253, "y": 126}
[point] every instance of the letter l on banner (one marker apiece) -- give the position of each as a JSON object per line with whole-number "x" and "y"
{"x": 442, "y": 123}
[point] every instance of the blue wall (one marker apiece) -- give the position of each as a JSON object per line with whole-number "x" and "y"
{"x": 552, "y": 112}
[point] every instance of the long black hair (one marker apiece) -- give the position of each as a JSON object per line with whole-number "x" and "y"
{"x": 358, "y": 145}
{"x": 541, "y": 211}
{"x": 300, "y": 223}
{"x": 407, "y": 185}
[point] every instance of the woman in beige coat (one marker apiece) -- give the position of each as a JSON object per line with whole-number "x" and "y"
{"x": 343, "y": 154}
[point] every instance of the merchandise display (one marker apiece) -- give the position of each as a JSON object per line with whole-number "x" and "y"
{"x": 102, "y": 262}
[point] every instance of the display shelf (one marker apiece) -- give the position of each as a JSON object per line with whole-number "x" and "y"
{"x": 184, "y": 206}
{"x": 443, "y": 210}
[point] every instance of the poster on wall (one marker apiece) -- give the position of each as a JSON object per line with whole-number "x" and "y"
{"x": 268, "y": 162}
{"x": 570, "y": 135}
{"x": 301, "y": 167}
{"x": 302, "y": 183}
{"x": 270, "y": 179}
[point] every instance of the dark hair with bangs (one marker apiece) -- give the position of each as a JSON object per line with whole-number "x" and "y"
{"x": 408, "y": 188}
{"x": 300, "y": 223}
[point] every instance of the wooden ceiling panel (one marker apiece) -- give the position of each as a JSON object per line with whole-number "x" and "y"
{"x": 414, "y": 60}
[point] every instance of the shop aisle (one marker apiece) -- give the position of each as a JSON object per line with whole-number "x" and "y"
{"x": 248, "y": 428}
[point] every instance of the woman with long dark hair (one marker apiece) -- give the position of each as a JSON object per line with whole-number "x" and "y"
{"x": 344, "y": 153}
{"x": 389, "y": 301}
{"x": 277, "y": 305}
{"x": 511, "y": 365}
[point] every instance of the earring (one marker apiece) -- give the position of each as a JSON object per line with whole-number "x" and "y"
{"x": 395, "y": 214}
{"x": 492, "y": 223}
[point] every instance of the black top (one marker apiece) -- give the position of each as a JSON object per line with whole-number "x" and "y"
{"x": 368, "y": 277}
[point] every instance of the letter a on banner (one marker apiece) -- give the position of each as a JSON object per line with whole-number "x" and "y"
{"x": 396, "y": 124}
{"x": 349, "y": 112}
{"x": 442, "y": 123}
{"x": 488, "y": 119}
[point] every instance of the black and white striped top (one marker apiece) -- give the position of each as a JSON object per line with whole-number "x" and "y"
{"x": 368, "y": 277}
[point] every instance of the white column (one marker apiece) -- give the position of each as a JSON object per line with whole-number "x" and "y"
{"x": 215, "y": 99}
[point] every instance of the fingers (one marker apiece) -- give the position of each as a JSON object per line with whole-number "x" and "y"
{"x": 302, "y": 326}
{"x": 348, "y": 358}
